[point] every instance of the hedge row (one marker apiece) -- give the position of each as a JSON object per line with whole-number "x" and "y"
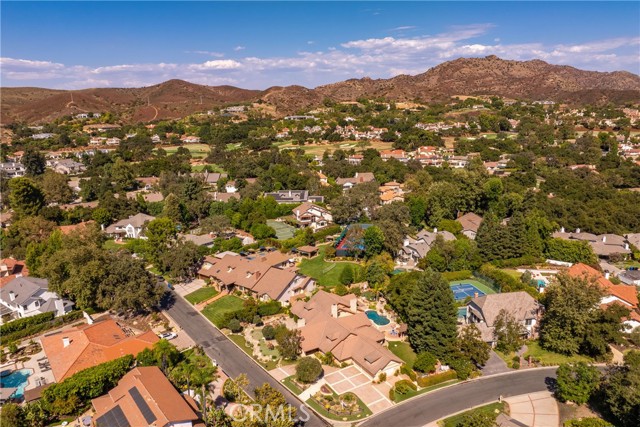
{"x": 402, "y": 387}
{"x": 456, "y": 275}
{"x": 517, "y": 262}
{"x": 431, "y": 380}
{"x": 26, "y": 322}
{"x": 39, "y": 327}
{"x": 504, "y": 281}
{"x": 404, "y": 369}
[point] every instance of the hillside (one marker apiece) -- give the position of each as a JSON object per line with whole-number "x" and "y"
{"x": 529, "y": 80}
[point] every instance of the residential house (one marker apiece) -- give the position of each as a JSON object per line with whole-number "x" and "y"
{"x": 624, "y": 295}
{"x": 113, "y": 141}
{"x": 414, "y": 249}
{"x": 267, "y": 276}
{"x": 230, "y": 187}
{"x": 81, "y": 347}
{"x": 333, "y": 324}
{"x": 190, "y": 139}
{"x": 400, "y": 155}
{"x": 210, "y": 178}
{"x": 355, "y": 159}
{"x": 470, "y": 223}
{"x": 223, "y": 197}
{"x": 294, "y": 196}
{"x": 603, "y": 245}
{"x": 68, "y": 229}
{"x": 310, "y": 215}
{"x": 29, "y": 296}
{"x": 360, "y": 178}
{"x": 67, "y": 166}
{"x": 483, "y": 311}
{"x": 12, "y": 169}
{"x": 41, "y": 136}
{"x": 203, "y": 240}
{"x": 323, "y": 178}
{"x": 458, "y": 162}
{"x": 144, "y": 397}
{"x": 10, "y": 269}
{"x": 131, "y": 227}
{"x": 391, "y": 192}
{"x": 630, "y": 277}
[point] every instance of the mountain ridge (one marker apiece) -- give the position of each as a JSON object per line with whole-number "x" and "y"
{"x": 175, "y": 98}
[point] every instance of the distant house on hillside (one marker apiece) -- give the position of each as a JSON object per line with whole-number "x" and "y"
{"x": 310, "y": 215}
{"x": 470, "y": 223}
{"x": 413, "y": 249}
{"x": 294, "y": 196}
{"x": 360, "y": 178}
{"x": 603, "y": 245}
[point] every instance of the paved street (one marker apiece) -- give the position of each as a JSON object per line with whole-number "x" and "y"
{"x": 440, "y": 403}
{"x": 230, "y": 358}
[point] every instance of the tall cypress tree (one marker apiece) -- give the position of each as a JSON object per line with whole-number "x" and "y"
{"x": 431, "y": 316}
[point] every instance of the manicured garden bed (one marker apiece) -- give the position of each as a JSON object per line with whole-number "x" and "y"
{"x": 330, "y": 406}
{"x": 201, "y": 294}
{"x": 487, "y": 409}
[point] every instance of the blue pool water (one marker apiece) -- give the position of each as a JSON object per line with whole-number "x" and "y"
{"x": 17, "y": 379}
{"x": 462, "y": 312}
{"x": 376, "y": 318}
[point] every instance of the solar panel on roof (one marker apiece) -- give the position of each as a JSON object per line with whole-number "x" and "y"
{"x": 148, "y": 415}
{"x": 113, "y": 418}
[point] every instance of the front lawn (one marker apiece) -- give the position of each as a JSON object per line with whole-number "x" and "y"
{"x": 201, "y": 294}
{"x": 492, "y": 408}
{"x": 291, "y": 385}
{"x": 216, "y": 311}
{"x": 326, "y": 273}
{"x": 404, "y": 351}
{"x": 548, "y": 358}
{"x": 400, "y": 397}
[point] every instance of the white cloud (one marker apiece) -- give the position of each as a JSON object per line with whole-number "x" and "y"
{"x": 375, "y": 57}
{"x": 207, "y": 53}
{"x": 404, "y": 28}
{"x": 239, "y": 48}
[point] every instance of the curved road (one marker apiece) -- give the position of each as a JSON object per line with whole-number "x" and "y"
{"x": 441, "y": 403}
{"x": 231, "y": 359}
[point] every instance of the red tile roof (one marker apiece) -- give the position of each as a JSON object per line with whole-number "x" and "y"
{"x": 626, "y": 293}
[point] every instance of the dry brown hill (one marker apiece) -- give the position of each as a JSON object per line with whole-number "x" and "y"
{"x": 529, "y": 80}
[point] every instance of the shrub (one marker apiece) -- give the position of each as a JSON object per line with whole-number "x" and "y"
{"x": 404, "y": 369}
{"x": 404, "y": 387}
{"x": 463, "y": 367}
{"x": 26, "y": 322}
{"x": 234, "y": 325}
{"x": 341, "y": 290}
{"x": 430, "y": 380}
{"x": 456, "y": 275}
{"x": 517, "y": 262}
{"x": 577, "y": 382}
{"x": 269, "y": 308}
{"x": 26, "y": 329}
{"x": 326, "y": 358}
{"x": 382, "y": 377}
{"x": 425, "y": 362}
{"x": 308, "y": 369}
{"x": 257, "y": 320}
{"x": 588, "y": 422}
{"x": 269, "y": 332}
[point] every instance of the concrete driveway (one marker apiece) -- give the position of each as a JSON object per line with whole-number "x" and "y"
{"x": 495, "y": 365}
{"x": 535, "y": 409}
{"x": 375, "y": 396}
{"x": 183, "y": 289}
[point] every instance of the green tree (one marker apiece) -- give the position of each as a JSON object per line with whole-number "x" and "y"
{"x": 25, "y": 197}
{"x": 289, "y": 342}
{"x": 34, "y": 162}
{"x": 308, "y": 369}
{"x": 472, "y": 346}
{"x": 273, "y": 409}
{"x": 173, "y": 209}
{"x": 56, "y": 189}
{"x": 432, "y": 316}
{"x": 577, "y": 382}
{"x": 425, "y": 362}
{"x": 373, "y": 241}
{"x": 508, "y": 332}
{"x": 11, "y": 415}
{"x": 101, "y": 216}
{"x": 621, "y": 390}
{"x": 347, "y": 275}
{"x": 181, "y": 260}
{"x": 570, "y": 251}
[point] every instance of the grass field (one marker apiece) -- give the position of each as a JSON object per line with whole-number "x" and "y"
{"x": 487, "y": 409}
{"x": 201, "y": 294}
{"x": 212, "y": 166}
{"x": 549, "y": 358}
{"x": 111, "y": 245}
{"x": 326, "y": 273}
{"x": 412, "y": 393}
{"x": 199, "y": 151}
{"x": 404, "y": 351}
{"x": 481, "y": 286}
{"x": 216, "y": 310}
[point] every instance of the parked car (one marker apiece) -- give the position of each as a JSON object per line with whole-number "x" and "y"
{"x": 168, "y": 335}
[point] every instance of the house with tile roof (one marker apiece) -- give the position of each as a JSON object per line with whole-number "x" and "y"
{"x": 359, "y": 178}
{"x": 483, "y": 311}
{"x": 29, "y": 296}
{"x": 145, "y": 397}
{"x": 267, "y": 276}
{"x": 470, "y": 224}
{"x": 333, "y": 323}
{"x": 625, "y": 295}
{"x": 603, "y": 245}
{"x": 81, "y": 347}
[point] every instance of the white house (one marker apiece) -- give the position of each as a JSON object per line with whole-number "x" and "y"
{"x": 310, "y": 215}
{"x": 131, "y": 227}
{"x": 29, "y": 296}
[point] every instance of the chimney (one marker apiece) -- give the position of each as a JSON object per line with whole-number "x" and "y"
{"x": 301, "y": 323}
{"x": 334, "y": 310}
{"x": 66, "y": 342}
{"x": 435, "y": 230}
{"x": 626, "y": 246}
{"x": 562, "y": 229}
{"x": 353, "y": 304}
{"x": 88, "y": 317}
{"x": 59, "y": 305}
{"x": 577, "y": 230}
{"x": 258, "y": 274}
{"x": 604, "y": 239}
{"x": 102, "y": 227}
{"x": 475, "y": 295}
{"x": 607, "y": 275}
{"x": 12, "y": 295}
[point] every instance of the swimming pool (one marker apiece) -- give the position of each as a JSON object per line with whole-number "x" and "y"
{"x": 462, "y": 312}
{"x": 377, "y": 318}
{"x": 17, "y": 379}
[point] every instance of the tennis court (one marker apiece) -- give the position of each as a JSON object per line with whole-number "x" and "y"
{"x": 468, "y": 288}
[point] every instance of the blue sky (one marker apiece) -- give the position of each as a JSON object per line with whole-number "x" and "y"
{"x": 261, "y": 44}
